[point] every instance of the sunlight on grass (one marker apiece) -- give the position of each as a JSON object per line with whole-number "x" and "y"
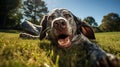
{"x": 110, "y": 42}
{"x": 17, "y": 52}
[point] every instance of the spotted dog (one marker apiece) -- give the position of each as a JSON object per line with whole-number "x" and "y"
{"x": 69, "y": 38}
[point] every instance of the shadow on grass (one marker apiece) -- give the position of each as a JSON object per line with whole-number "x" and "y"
{"x": 9, "y": 31}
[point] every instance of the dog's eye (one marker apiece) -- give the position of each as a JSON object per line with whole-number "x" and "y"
{"x": 51, "y": 17}
{"x": 67, "y": 16}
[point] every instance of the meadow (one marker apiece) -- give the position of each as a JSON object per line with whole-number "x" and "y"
{"x": 109, "y": 41}
{"x": 17, "y": 52}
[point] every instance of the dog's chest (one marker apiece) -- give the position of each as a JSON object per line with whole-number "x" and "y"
{"x": 74, "y": 56}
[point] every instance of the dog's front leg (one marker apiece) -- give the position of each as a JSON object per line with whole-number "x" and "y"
{"x": 95, "y": 55}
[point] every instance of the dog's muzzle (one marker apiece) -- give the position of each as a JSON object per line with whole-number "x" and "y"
{"x": 59, "y": 23}
{"x": 61, "y": 31}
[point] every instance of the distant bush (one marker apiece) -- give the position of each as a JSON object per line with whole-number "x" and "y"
{"x": 9, "y": 31}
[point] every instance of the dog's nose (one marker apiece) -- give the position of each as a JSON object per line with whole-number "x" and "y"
{"x": 61, "y": 23}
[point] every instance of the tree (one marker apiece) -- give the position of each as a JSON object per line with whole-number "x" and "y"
{"x": 110, "y": 22}
{"x": 91, "y": 21}
{"x": 14, "y": 18}
{"x": 34, "y": 10}
{"x": 6, "y": 8}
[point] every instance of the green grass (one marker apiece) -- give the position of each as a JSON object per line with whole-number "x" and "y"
{"x": 109, "y": 41}
{"x": 17, "y": 52}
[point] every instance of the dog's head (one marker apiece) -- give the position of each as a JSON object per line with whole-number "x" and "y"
{"x": 60, "y": 26}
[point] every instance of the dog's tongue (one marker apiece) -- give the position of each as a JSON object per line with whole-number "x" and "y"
{"x": 64, "y": 42}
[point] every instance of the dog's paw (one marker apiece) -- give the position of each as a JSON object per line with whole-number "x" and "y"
{"x": 28, "y": 36}
{"x": 24, "y": 35}
{"x": 107, "y": 61}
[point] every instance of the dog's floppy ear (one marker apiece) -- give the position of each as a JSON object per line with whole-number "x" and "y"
{"x": 83, "y": 28}
{"x": 43, "y": 23}
{"x": 87, "y": 31}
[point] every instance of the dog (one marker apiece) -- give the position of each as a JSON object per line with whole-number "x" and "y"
{"x": 70, "y": 42}
{"x": 33, "y": 31}
{"x": 81, "y": 27}
{"x": 70, "y": 38}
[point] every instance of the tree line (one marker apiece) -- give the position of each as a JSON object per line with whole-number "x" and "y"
{"x": 110, "y": 22}
{"x": 13, "y": 12}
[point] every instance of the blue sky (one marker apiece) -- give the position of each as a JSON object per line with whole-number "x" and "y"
{"x": 84, "y": 8}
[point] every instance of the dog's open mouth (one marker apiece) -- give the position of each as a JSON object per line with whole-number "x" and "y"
{"x": 64, "y": 40}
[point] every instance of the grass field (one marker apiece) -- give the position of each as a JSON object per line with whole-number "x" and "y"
{"x": 17, "y": 52}
{"x": 109, "y": 41}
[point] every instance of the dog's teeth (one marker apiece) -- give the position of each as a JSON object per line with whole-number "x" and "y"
{"x": 64, "y": 42}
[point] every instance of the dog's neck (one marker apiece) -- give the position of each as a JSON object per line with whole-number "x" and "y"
{"x": 79, "y": 38}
